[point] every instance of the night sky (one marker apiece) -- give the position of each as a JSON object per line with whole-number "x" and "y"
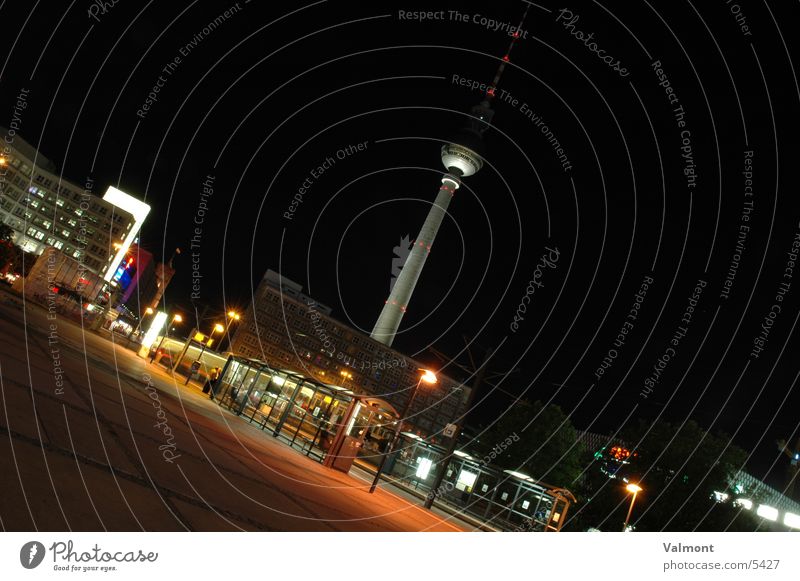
{"x": 657, "y": 141}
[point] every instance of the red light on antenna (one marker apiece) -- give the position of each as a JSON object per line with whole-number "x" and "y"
{"x": 516, "y": 35}
{"x": 505, "y": 58}
{"x": 490, "y": 91}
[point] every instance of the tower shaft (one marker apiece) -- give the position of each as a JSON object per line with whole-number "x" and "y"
{"x": 392, "y": 314}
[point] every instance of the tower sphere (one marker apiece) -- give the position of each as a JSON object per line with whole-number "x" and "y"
{"x": 461, "y": 159}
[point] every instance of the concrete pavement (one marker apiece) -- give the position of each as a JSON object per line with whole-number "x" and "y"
{"x": 93, "y": 437}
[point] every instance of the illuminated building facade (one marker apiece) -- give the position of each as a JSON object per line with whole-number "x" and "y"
{"x": 44, "y": 210}
{"x": 289, "y": 330}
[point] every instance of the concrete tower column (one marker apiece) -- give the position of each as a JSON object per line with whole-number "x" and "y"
{"x": 392, "y": 314}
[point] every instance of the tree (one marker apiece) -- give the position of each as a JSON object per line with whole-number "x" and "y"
{"x": 546, "y": 450}
{"x": 6, "y": 233}
{"x": 679, "y": 469}
{"x": 7, "y": 248}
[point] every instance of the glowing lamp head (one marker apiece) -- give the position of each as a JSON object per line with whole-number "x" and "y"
{"x": 219, "y": 328}
{"x": 177, "y": 319}
{"x": 429, "y": 377}
{"x": 634, "y": 488}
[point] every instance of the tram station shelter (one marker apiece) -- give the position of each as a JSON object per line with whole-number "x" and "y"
{"x": 334, "y": 425}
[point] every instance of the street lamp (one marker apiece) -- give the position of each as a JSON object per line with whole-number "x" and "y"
{"x": 345, "y": 376}
{"x": 147, "y": 311}
{"x": 176, "y": 318}
{"x": 232, "y": 316}
{"x": 635, "y": 489}
{"x": 428, "y": 377}
{"x": 219, "y": 329}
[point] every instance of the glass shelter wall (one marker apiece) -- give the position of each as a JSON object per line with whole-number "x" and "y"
{"x": 296, "y": 409}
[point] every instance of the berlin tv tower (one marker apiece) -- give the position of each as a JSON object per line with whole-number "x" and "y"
{"x": 462, "y": 158}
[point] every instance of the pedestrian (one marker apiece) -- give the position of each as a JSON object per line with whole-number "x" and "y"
{"x": 212, "y": 384}
{"x": 212, "y": 377}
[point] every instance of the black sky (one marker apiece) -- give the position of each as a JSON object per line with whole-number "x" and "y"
{"x": 277, "y": 88}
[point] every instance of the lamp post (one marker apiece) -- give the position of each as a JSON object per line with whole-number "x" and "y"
{"x": 219, "y": 329}
{"x": 428, "y": 377}
{"x": 345, "y": 376}
{"x": 232, "y": 316}
{"x": 635, "y": 489}
{"x": 147, "y": 311}
{"x": 176, "y": 318}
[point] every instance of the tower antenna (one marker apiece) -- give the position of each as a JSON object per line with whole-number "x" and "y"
{"x": 490, "y": 93}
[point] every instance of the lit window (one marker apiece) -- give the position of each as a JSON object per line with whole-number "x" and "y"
{"x": 34, "y": 204}
{"x": 466, "y": 480}
{"x": 59, "y": 202}
{"x": 767, "y": 512}
{"x": 39, "y": 235}
{"x": 59, "y": 244}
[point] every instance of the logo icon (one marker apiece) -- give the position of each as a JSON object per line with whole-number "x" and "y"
{"x": 31, "y": 554}
{"x": 401, "y": 253}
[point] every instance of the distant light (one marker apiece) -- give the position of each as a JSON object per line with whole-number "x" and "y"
{"x": 633, "y": 488}
{"x": 791, "y": 520}
{"x": 219, "y": 328}
{"x": 767, "y": 512}
{"x": 278, "y": 380}
{"x": 745, "y": 503}
{"x": 411, "y": 435}
{"x": 461, "y": 454}
{"x": 520, "y": 475}
{"x": 156, "y": 326}
{"x": 720, "y": 496}
{"x": 423, "y": 467}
